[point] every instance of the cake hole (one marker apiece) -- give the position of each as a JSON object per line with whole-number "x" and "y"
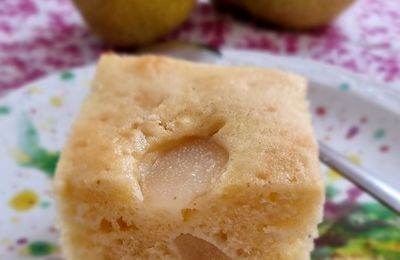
{"x": 261, "y": 176}
{"x": 187, "y": 213}
{"x": 165, "y": 126}
{"x": 105, "y": 225}
{"x": 241, "y": 253}
{"x": 194, "y": 248}
{"x": 134, "y": 125}
{"x": 292, "y": 179}
{"x": 124, "y": 226}
{"x": 273, "y": 196}
{"x": 183, "y": 172}
{"x": 221, "y": 236}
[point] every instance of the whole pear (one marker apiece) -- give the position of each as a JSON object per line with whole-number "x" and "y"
{"x": 290, "y": 14}
{"x": 130, "y": 23}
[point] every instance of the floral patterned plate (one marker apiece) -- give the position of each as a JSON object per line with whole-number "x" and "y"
{"x": 359, "y": 119}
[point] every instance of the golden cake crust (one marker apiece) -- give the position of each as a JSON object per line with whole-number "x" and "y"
{"x": 140, "y": 105}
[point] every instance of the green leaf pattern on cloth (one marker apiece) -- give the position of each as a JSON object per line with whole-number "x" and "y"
{"x": 30, "y": 152}
{"x": 362, "y": 230}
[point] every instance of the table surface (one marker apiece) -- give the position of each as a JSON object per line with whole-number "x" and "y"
{"x": 39, "y": 37}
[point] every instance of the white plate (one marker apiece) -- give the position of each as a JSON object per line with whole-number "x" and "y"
{"x": 357, "y": 118}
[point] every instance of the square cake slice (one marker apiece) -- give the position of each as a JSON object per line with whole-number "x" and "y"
{"x": 176, "y": 160}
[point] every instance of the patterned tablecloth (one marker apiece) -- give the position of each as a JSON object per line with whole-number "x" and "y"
{"x": 38, "y": 37}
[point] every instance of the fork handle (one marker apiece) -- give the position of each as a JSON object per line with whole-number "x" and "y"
{"x": 361, "y": 177}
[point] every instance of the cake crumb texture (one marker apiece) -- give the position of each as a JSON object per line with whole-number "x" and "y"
{"x": 176, "y": 160}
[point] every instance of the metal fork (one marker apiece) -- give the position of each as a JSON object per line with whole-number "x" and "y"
{"x": 360, "y": 176}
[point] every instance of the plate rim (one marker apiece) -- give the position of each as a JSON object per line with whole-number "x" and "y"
{"x": 384, "y": 95}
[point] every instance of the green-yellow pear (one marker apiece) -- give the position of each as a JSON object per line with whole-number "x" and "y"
{"x": 290, "y": 14}
{"x": 129, "y": 23}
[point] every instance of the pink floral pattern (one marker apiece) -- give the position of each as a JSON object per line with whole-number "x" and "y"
{"x": 38, "y": 37}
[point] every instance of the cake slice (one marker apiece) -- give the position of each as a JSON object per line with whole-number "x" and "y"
{"x": 175, "y": 160}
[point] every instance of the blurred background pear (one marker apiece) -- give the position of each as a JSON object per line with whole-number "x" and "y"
{"x": 132, "y": 23}
{"x": 289, "y": 14}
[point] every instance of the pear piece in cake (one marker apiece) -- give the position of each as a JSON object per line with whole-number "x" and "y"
{"x": 175, "y": 160}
